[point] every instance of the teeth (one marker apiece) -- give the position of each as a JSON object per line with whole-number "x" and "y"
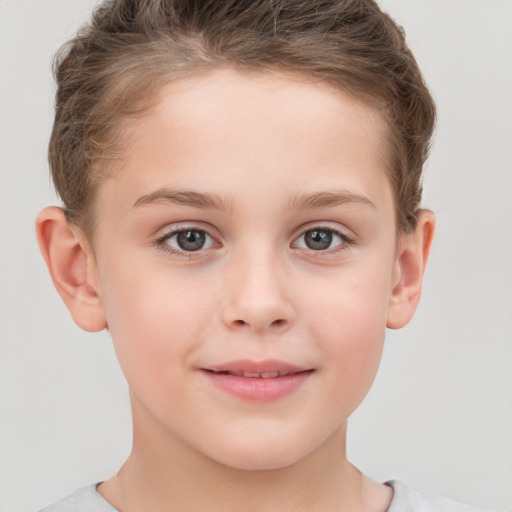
{"x": 263, "y": 375}
{"x": 251, "y": 375}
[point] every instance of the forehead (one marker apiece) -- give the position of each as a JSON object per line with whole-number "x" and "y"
{"x": 223, "y": 100}
{"x": 221, "y": 130}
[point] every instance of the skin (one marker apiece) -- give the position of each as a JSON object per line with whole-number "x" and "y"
{"x": 273, "y": 157}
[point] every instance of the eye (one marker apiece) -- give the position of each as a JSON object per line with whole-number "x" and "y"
{"x": 320, "y": 239}
{"x": 186, "y": 240}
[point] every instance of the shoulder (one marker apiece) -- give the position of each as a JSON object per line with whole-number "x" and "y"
{"x": 407, "y": 499}
{"x": 86, "y": 499}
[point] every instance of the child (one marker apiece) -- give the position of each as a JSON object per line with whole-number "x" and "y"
{"x": 241, "y": 184}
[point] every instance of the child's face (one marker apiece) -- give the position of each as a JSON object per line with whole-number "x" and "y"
{"x": 249, "y": 228}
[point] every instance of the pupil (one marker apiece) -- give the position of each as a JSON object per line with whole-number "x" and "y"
{"x": 191, "y": 240}
{"x": 318, "y": 240}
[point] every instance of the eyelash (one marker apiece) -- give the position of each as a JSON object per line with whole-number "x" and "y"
{"x": 162, "y": 242}
{"x": 345, "y": 243}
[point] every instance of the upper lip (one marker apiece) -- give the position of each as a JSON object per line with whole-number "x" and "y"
{"x": 265, "y": 369}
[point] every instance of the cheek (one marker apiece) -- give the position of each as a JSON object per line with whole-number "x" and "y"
{"x": 353, "y": 303}
{"x": 349, "y": 325}
{"x": 353, "y": 341}
{"x": 154, "y": 322}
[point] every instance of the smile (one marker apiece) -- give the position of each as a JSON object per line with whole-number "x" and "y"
{"x": 264, "y": 381}
{"x": 255, "y": 375}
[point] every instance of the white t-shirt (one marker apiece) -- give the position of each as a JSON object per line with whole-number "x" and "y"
{"x": 405, "y": 499}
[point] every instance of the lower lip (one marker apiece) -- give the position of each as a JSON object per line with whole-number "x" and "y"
{"x": 258, "y": 389}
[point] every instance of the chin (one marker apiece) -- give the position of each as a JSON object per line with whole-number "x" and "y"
{"x": 260, "y": 463}
{"x": 260, "y": 456}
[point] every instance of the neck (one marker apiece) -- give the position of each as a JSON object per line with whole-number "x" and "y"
{"x": 162, "y": 473}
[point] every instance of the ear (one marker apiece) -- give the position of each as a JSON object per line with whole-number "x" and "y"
{"x": 413, "y": 252}
{"x": 72, "y": 267}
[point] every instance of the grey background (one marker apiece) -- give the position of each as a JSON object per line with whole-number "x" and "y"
{"x": 440, "y": 413}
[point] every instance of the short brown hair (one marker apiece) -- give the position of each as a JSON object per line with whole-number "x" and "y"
{"x": 109, "y": 72}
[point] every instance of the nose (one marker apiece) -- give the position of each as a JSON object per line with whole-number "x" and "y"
{"x": 258, "y": 295}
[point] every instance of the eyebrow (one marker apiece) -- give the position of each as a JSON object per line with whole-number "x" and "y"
{"x": 215, "y": 202}
{"x": 185, "y": 198}
{"x": 326, "y": 200}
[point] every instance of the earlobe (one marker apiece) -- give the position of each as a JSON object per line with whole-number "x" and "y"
{"x": 412, "y": 258}
{"x": 70, "y": 262}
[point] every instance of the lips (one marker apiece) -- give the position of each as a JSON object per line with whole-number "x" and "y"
{"x": 257, "y": 380}
{"x": 268, "y": 369}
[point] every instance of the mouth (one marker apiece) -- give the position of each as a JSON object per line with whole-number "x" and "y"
{"x": 257, "y": 381}
{"x": 268, "y": 369}
{"x": 253, "y": 375}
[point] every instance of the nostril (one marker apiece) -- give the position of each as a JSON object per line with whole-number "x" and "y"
{"x": 242, "y": 323}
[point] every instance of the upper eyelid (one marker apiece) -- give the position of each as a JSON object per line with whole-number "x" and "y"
{"x": 173, "y": 228}
{"x": 337, "y": 232}
{"x": 327, "y": 226}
